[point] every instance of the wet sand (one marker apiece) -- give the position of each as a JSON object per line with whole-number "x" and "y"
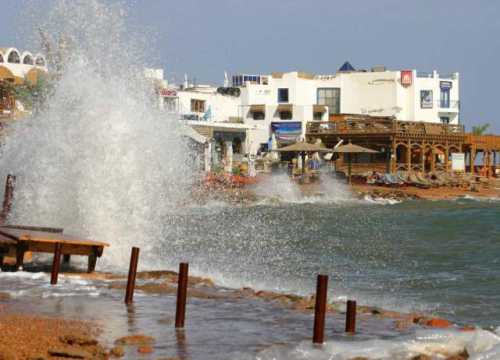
{"x": 37, "y": 337}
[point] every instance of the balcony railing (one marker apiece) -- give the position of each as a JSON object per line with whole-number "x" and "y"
{"x": 450, "y": 104}
{"x": 382, "y": 127}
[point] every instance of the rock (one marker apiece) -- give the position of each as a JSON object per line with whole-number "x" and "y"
{"x": 359, "y": 358}
{"x": 138, "y": 339}
{"x": 436, "y": 323}
{"x": 78, "y": 340}
{"x": 421, "y": 357}
{"x": 117, "y": 351}
{"x": 467, "y": 328}
{"x": 464, "y": 355}
{"x": 69, "y": 353}
{"x": 145, "y": 350}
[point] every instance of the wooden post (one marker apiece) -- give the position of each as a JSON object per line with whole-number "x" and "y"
{"x": 132, "y": 271}
{"x": 423, "y": 149}
{"x": 447, "y": 157}
{"x": 182, "y": 283}
{"x": 394, "y": 156}
{"x": 56, "y": 263}
{"x": 433, "y": 158}
{"x": 408, "y": 156}
{"x": 350, "y": 317}
{"x": 494, "y": 163}
{"x": 472, "y": 160}
{"x": 320, "y": 309}
{"x": 10, "y": 184}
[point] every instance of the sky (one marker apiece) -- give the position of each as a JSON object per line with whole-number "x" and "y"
{"x": 205, "y": 38}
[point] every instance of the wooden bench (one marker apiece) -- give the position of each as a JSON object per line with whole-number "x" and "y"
{"x": 15, "y": 241}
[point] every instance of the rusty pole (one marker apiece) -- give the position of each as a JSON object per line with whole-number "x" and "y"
{"x": 56, "y": 263}
{"x": 8, "y": 196}
{"x": 320, "y": 309}
{"x": 180, "y": 310}
{"x": 132, "y": 271}
{"x": 350, "y": 317}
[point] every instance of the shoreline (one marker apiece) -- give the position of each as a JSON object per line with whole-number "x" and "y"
{"x": 163, "y": 282}
{"x": 247, "y": 194}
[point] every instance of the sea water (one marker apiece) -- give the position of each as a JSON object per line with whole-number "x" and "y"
{"x": 101, "y": 162}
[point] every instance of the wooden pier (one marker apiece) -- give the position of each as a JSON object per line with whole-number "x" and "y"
{"x": 16, "y": 241}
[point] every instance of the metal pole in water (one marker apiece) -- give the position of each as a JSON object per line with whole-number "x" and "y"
{"x": 180, "y": 311}
{"x": 350, "y": 317}
{"x": 132, "y": 271}
{"x": 320, "y": 309}
{"x": 56, "y": 263}
{"x": 8, "y": 196}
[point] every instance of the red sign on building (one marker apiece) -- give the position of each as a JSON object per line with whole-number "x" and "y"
{"x": 167, "y": 92}
{"x": 406, "y": 77}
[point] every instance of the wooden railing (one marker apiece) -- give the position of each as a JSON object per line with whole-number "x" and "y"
{"x": 355, "y": 126}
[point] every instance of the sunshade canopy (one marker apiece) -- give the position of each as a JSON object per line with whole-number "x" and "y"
{"x": 354, "y": 149}
{"x": 303, "y": 146}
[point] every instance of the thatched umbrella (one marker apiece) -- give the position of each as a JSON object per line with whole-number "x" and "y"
{"x": 302, "y": 148}
{"x": 352, "y": 149}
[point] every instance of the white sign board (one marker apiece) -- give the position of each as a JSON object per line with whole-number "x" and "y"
{"x": 458, "y": 162}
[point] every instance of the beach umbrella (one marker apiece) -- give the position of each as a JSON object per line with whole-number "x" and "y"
{"x": 352, "y": 149}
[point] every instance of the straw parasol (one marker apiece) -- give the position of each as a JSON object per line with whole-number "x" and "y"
{"x": 352, "y": 149}
{"x": 302, "y": 148}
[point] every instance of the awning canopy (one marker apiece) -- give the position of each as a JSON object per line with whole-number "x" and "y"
{"x": 319, "y": 109}
{"x": 303, "y": 146}
{"x": 257, "y": 108}
{"x": 193, "y": 134}
{"x": 285, "y": 107}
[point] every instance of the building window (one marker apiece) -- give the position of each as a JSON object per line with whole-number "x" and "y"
{"x": 197, "y": 105}
{"x": 170, "y": 104}
{"x": 40, "y": 61}
{"x": 282, "y": 95}
{"x": 331, "y": 98}
{"x": 14, "y": 57}
{"x": 445, "y": 119}
{"x": 258, "y": 115}
{"x": 286, "y": 115}
{"x": 445, "y": 98}
{"x": 318, "y": 115}
{"x": 426, "y": 99}
{"x": 28, "y": 60}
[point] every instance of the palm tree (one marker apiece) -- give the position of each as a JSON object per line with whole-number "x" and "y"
{"x": 480, "y": 129}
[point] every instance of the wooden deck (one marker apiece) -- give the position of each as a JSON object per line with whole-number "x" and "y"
{"x": 15, "y": 241}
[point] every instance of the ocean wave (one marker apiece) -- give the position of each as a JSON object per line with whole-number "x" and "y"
{"x": 480, "y": 345}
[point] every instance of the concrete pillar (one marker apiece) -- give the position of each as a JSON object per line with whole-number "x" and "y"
{"x": 229, "y": 157}
{"x": 208, "y": 157}
{"x": 472, "y": 159}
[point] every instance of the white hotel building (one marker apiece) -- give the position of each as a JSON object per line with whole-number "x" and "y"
{"x": 283, "y": 103}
